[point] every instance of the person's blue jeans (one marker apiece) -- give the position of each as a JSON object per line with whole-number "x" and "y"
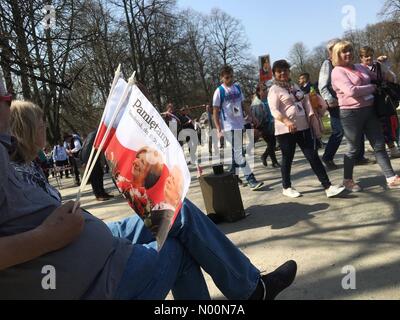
{"x": 356, "y": 122}
{"x": 193, "y": 242}
{"x": 336, "y": 137}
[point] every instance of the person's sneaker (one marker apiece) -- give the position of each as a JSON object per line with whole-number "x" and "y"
{"x": 264, "y": 160}
{"x": 291, "y": 193}
{"x": 394, "y": 153}
{"x": 334, "y": 191}
{"x": 351, "y": 186}
{"x": 394, "y": 183}
{"x": 254, "y": 184}
{"x": 280, "y": 279}
{"x": 330, "y": 165}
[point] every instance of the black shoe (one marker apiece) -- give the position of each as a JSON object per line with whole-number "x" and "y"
{"x": 330, "y": 165}
{"x": 102, "y": 198}
{"x": 276, "y": 165}
{"x": 107, "y": 195}
{"x": 239, "y": 181}
{"x": 365, "y": 162}
{"x": 264, "y": 160}
{"x": 280, "y": 279}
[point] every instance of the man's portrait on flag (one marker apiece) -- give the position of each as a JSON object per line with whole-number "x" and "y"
{"x": 174, "y": 187}
{"x": 161, "y": 215}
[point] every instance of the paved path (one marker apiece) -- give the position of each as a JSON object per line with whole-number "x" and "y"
{"x": 322, "y": 235}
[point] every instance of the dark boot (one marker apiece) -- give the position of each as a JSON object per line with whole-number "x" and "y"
{"x": 275, "y": 162}
{"x": 264, "y": 159}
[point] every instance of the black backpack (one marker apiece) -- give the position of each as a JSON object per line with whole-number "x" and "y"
{"x": 87, "y": 147}
{"x": 387, "y": 96}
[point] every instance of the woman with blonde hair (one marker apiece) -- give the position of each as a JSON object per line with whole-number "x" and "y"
{"x": 27, "y": 125}
{"x": 355, "y": 91}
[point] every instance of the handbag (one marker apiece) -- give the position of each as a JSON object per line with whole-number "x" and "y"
{"x": 386, "y": 96}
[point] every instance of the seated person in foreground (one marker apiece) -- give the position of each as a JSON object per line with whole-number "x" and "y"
{"x": 115, "y": 261}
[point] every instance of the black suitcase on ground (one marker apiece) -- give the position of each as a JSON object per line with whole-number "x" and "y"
{"x": 222, "y": 196}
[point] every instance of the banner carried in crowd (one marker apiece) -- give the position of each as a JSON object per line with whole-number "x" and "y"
{"x": 147, "y": 162}
{"x": 265, "y": 68}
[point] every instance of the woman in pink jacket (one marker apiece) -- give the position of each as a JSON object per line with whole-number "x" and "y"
{"x": 352, "y": 83}
{"x": 294, "y": 118}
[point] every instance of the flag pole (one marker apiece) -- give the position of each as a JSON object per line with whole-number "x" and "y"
{"x": 131, "y": 82}
{"x": 114, "y": 83}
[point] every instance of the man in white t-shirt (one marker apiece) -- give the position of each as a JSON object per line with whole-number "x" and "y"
{"x": 60, "y": 158}
{"x": 74, "y": 146}
{"x": 229, "y": 121}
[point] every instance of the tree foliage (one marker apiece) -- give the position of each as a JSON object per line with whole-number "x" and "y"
{"x": 177, "y": 54}
{"x": 67, "y": 69}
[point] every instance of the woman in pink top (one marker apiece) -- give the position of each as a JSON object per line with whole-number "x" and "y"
{"x": 293, "y": 117}
{"x": 352, "y": 83}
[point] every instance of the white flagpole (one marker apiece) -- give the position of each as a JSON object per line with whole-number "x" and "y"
{"x": 114, "y": 83}
{"x": 131, "y": 81}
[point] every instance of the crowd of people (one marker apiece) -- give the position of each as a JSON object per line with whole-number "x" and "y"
{"x": 286, "y": 114}
{"x": 69, "y": 157}
{"x": 95, "y": 260}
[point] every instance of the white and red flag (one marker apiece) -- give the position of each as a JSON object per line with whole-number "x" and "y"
{"x": 111, "y": 107}
{"x": 148, "y": 164}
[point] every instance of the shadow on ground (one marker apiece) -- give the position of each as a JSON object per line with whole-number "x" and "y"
{"x": 277, "y": 216}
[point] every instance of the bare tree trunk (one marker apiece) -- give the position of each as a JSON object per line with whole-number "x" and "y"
{"x": 22, "y": 48}
{"x": 5, "y": 57}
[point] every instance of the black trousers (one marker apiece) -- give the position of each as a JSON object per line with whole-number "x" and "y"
{"x": 96, "y": 180}
{"x": 74, "y": 166}
{"x": 305, "y": 141}
{"x": 270, "y": 139}
{"x": 62, "y": 164}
